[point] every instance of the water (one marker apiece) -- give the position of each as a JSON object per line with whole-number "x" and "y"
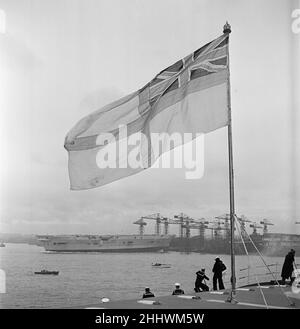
{"x": 86, "y": 278}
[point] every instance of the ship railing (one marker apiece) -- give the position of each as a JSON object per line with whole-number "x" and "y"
{"x": 258, "y": 275}
{"x": 260, "y": 266}
{"x": 254, "y": 273}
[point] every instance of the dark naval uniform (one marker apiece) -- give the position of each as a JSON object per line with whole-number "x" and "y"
{"x": 218, "y": 268}
{"x": 148, "y": 293}
{"x": 199, "y": 282}
{"x": 288, "y": 267}
{"x": 178, "y": 291}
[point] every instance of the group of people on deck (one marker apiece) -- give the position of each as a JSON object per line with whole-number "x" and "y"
{"x": 200, "y": 283}
{"x": 218, "y": 269}
{"x": 176, "y": 291}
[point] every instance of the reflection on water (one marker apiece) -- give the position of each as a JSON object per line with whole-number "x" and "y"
{"x": 84, "y": 278}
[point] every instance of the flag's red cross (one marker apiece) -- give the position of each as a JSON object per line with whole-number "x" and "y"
{"x": 209, "y": 59}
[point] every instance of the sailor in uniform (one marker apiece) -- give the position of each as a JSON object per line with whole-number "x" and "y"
{"x": 218, "y": 269}
{"x": 288, "y": 267}
{"x": 199, "y": 281}
{"x": 148, "y": 293}
{"x": 178, "y": 290}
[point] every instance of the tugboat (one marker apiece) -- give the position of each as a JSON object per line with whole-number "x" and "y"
{"x": 46, "y": 272}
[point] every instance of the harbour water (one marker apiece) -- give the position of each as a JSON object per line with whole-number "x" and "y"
{"x": 85, "y": 278}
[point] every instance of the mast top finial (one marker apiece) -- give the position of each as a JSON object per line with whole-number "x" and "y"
{"x": 227, "y": 28}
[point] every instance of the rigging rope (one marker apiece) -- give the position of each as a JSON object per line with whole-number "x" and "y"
{"x": 260, "y": 289}
{"x": 260, "y": 255}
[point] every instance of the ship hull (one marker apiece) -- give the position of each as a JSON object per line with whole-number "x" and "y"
{"x": 280, "y": 251}
{"x": 279, "y": 244}
{"x": 117, "y": 243}
{"x": 108, "y": 250}
{"x": 212, "y": 246}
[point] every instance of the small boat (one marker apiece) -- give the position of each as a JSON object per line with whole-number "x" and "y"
{"x": 2, "y": 245}
{"x": 160, "y": 265}
{"x": 45, "y": 272}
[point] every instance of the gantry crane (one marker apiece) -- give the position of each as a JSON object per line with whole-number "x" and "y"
{"x": 166, "y": 223}
{"x": 265, "y": 222}
{"x": 255, "y": 226}
{"x": 141, "y": 224}
{"x": 243, "y": 220}
{"x": 184, "y": 222}
{"x": 217, "y": 228}
{"x": 201, "y": 225}
{"x": 157, "y": 218}
{"x": 226, "y": 218}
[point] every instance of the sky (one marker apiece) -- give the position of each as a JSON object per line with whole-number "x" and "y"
{"x": 62, "y": 59}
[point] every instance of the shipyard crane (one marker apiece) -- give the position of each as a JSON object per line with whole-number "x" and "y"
{"x": 180, "y": 219}
{"x": 265, "y": 222}
{"x": 212, "y": 231}
{"x": 174, "y": 221}
{"x": 188, "y": 225}
{"x": 158, "y": 220}
{"x": 166, "y": 223}
{"x": 226, "y": 218}
{"x": 243, "y": 220}
{"x": 201, "y": 225}
{"x": 255, "y": 226}
{"x": 218, "y": 227}
{"x": 141, "y": 224}
{"x": 184, "y": 222}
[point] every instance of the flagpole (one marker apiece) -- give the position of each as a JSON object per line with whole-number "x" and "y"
{"x": 227, "y": 30}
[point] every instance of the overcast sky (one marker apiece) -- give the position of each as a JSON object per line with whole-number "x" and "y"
{"x": 61, "y": 59}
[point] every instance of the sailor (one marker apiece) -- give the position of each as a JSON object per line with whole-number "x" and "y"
{"x": 148, "y": 293}
{"x": 218, "y": 268}
{"x": 288, "y": 267}
{"x": 199, "y": 281}
{"x": 178, "y": 290}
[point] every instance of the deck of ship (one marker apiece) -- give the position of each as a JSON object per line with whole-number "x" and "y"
{"x": 246, "y": 297}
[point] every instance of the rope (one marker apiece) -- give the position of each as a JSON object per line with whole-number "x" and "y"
{"x": 275, "y": 279}
{"x": 260, "y": 289}
{"x": 246, "y": 268}
{"x": 261, "y": 274}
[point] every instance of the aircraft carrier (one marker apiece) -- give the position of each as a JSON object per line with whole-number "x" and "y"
{"x": 104, "y": 243}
